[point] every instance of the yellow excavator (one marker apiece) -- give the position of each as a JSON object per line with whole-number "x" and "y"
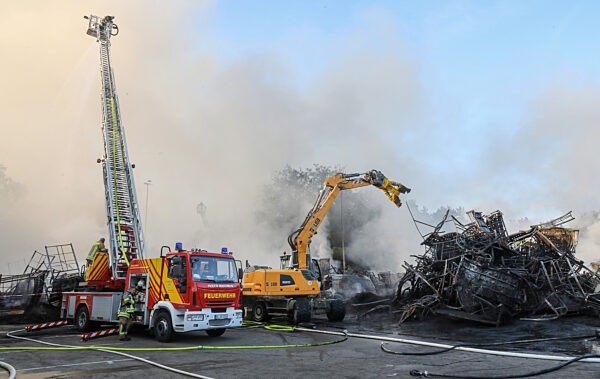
{"x": 294, "y": 290}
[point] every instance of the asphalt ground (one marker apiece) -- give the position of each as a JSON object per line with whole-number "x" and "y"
{"x": 352, "y": 358}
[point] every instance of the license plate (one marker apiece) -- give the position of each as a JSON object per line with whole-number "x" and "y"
{"x": 220, "y": 317}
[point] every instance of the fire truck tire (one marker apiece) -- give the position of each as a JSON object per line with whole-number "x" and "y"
{"x": 259, "y": 311}
{"x": 163, "y": 327}
{"x": 215, "y": 332}
{"x": 337, "y": 310}
{"x": 82, "y": 319}
{"x": 301, "y": 312}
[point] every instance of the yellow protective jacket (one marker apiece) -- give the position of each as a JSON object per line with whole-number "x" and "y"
{"x": 127, "y": 305}
{"x": 96, "y": 247}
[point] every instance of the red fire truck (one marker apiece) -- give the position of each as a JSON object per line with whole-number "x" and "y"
{"x": 183, "y": 290}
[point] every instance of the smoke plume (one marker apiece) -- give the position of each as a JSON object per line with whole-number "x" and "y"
{"x": 210, "y": 130}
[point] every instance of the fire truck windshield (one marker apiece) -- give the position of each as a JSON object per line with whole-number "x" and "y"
{"x": 211, "y": 269}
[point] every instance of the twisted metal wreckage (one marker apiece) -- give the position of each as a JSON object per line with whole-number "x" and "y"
{"x": 482, "y": 273}
{"x": 38, "y": 290}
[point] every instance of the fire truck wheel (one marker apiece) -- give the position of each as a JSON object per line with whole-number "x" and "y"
{"x": 260, "y": 311}
{"x": 163, "y": 328}
{"x": 337, "y": 310}
{"x": 82, "y": 319}
{"x": 215, "y": 332}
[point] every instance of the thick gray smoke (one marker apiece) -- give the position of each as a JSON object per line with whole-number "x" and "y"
{"x": 203, "y": 130}
{"x": 213, "y": 131}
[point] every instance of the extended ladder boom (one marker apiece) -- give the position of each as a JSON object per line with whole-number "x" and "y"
{"x": 122, "y": 210}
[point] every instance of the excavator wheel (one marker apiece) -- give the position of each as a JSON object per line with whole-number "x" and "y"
{"x": 337, "y": 310}
{"x": 259, "y": 311}
{"x": 301, "y": 312}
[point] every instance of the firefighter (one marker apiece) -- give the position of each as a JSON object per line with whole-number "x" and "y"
{"x": 98, "y": 246}
{"x": 140, "y": 295}
{"x": 125, "y": 314}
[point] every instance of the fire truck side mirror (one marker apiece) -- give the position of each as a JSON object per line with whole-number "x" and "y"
{"x": 163, "y": 248}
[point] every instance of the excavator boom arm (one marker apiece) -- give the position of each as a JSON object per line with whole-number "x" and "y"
{"x": 300, "y": 239}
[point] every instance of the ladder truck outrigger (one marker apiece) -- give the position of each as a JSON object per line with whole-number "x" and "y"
{"x": 182, "y": 290}
{"x": 296, "y": 290}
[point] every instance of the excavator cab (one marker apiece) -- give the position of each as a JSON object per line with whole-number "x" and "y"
{"x": 316, "y": 270}
{"x": 284, "y": 261}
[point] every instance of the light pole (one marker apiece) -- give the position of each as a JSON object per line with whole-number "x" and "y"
{"x": 342, "y": 222}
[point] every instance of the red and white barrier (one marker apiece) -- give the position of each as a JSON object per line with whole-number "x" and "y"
{"x": 46, "y": 325}
{"x": 102, "y": 333}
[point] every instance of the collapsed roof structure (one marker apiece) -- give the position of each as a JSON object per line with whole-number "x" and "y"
{"x": 484, "y": 274}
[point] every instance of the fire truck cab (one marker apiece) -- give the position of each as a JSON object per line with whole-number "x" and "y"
{"x": 197, "y": 290}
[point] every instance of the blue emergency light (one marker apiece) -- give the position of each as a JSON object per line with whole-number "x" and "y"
{"x": 223, "y": 250}
{"x": 178, "y": 246}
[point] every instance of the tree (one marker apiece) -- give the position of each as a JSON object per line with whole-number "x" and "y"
{"x": 286, "y": 202}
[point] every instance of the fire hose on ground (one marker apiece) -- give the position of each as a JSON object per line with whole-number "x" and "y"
{"x": 12, "y": 373}
{"x": 588, "y": 358}
{"x": 120, "y": 350}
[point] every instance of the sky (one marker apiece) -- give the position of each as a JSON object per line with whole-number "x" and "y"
{"x": 485, "y": 105}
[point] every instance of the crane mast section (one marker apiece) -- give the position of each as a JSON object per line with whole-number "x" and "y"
{"x": 122, "y": 209}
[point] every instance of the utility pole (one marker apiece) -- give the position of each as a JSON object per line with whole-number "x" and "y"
{"x": 342, "y": 221}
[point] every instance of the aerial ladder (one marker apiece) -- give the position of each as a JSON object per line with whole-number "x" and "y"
{"x": 123, "y": 215}
{"x": 180, "y": 291}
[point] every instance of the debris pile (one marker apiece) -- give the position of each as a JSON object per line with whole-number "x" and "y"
{"x": 484, "y": 274}
{"x": 39, "y": 288}
{"x": 347, "y": 284}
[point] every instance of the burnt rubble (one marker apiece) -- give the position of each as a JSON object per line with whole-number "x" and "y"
{"x": 482, "y": 273}
{"x": 36, "y": 294}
